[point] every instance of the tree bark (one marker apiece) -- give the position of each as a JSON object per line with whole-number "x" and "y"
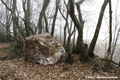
{"x": 28, "y": 11}
{"x": 39, "y": 24}
{"x": 115, "y": 37}
{"x": 80, "y": 35}
{"x": 79, "y": 25}
{"x": 69, "y": 37}
{"x": 66, "y": 25}
{"x": 27, "y": 18}
{"x": 14, "y": 24}
{"x": 65, "y": 28}
{"x": 46, "y": 23}
{"x": 95, "y": 37}
{"x": 28, "y": 14}
{"x": 109, "y": 55}
{"x": 54, "y": 18}
{"x": 8, "y": 23}
{"x": 115, "y": 43}
{"x": 110, "y": 28}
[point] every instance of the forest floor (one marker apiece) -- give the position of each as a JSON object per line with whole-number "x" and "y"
{"x": 16, "y": 68}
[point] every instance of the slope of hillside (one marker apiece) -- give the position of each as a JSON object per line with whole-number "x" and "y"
{"x": 16, "y": 68}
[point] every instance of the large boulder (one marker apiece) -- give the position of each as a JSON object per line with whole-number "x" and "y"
{"x": 43, "y": 49}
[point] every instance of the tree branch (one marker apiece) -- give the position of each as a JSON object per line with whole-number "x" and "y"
{"x": 79, "y": 2}
{"x": 2, "y": 24}
{"x": 6, "y": 6}
{"x": 62, "y": 14}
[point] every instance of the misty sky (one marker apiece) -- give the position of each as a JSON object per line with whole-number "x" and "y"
{"x": 90, "y": 11}
{"x": 93, "y": 9}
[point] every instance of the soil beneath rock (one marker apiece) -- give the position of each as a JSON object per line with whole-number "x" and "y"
{"x": 16, "y": 68}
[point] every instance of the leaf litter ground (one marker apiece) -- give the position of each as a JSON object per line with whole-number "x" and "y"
{"x": 16, "y": 68}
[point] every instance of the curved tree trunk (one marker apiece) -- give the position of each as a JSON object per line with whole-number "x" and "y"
{"x": 94, "y": 40}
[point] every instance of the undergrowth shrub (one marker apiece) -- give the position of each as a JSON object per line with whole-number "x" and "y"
{"x": 18, "y": 48}
{"x": 70, "y": 58}
{"x": 2, "y": 36}
{"x": 75, "y": 50}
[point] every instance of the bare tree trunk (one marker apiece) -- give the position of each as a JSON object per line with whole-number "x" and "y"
{"x": 115, "y": 38}
{"x": 39, "y": 24}
{"x": 80, "y": 31}
{"x": 70, "y": 33}
{"x": 65, "y": 27}
{"x": 14, "y": 24}
{"x": 7, "y": 23}
{"x": 68, "y": 45}
{"x": 74, "y": 39}
{"x": 15, "y": 19}
{"x": 110, "y": 28}
{"x": 28, "y": 11}
{"x": 46, "y": 23}
{"x": 108, "y": 63}
{"x": 115, "y": 43}
{"x": 94, "y": 40}
{"x": 27, "y": 18}
{"x": 79, "y": 25}
{"x": 64, "y": 43}
{"x": 18, "y": 29}
{"x": 28, "y": 14}
{"x": 54, "y": 18}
